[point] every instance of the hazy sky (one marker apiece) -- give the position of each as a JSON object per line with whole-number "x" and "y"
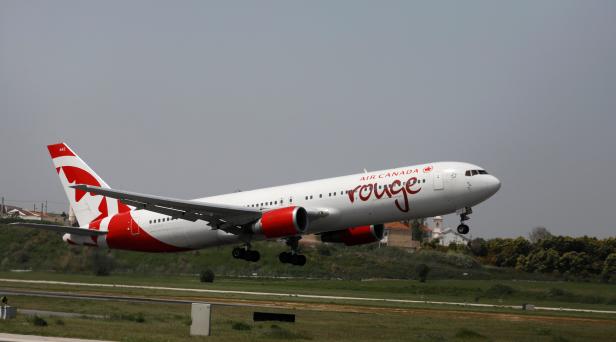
{"x": 196, "y": 98}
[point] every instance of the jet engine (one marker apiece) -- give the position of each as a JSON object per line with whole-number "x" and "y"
{"x": 282, "y": 222}
{"x": 80, "y": 240}
{"x": 355, "y": 235}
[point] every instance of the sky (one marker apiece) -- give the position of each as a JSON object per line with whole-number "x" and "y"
{"x": 194, "y": 98}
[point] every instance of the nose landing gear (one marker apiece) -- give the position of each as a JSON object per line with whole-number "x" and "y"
{"x": 246, "y": 253}
{"x": 293, "y": 257}
{"x": 463, "y": 228}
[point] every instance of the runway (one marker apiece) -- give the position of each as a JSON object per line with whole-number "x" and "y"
{"x": 343, "y": 308}
{"x": 221, "y": 301}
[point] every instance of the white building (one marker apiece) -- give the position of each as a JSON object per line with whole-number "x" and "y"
{"x": 446, "y": 236}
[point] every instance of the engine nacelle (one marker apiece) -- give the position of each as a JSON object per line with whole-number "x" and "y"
{"x": 80, "y": 240}
{"x": 355, "y": 235}
{"x": 282, "y": 222}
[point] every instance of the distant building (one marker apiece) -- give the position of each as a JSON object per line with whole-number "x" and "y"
{"x": 310, "y": 239}
{"x": 398, "y": 234}
{"x": 446, "y": 236}
{"x": 24, "y": 214}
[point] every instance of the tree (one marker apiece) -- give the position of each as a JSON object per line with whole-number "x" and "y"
{"x": 505, "y": 252}
{"x": 417, "y": 233}
{"x": 479, "y": 247}
{"x": 574, "y": 263}
{"x": 543, "y": 261}
{"x": 422, "y": 271}
{"x": 206, "y": 276}
{"x": 102, "y": 263}
{"x": 609, "y": 268}
{"x": 539, "y": 233}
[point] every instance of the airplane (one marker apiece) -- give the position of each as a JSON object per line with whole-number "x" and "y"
{"x": 350, "y": 209}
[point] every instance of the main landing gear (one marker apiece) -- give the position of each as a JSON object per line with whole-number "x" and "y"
{"x": 463, "y": 228}
{"x": 246, "y": 253}
{"x": 293, "y": 257}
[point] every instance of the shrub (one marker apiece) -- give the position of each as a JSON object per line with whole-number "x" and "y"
{"x": 422, "y": 271}
{"x": 38, "y": 321}
{"x": 102, "y": 263}
{"x": 206, "y": 276}
{"x": 479, "y": 247}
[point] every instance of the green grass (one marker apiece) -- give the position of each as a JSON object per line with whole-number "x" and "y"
{"x": 170, "y": 322}
{"x": 515, "y": 292}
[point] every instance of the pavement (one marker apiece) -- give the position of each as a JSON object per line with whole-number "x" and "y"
{"x": 292, "y": 295}
{"x": 34, "y": 338}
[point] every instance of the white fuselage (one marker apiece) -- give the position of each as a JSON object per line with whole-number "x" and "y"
{"x": 341, "y": 202}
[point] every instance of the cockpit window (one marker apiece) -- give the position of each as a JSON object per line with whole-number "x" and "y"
{"x": 469, "y": 173}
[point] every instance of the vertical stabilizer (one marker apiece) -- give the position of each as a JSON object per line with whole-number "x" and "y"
{"x": 72, "y": 170}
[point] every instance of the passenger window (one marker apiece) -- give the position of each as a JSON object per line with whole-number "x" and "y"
{"x": 320, "y": 195}
{"x": 310, "y": 196}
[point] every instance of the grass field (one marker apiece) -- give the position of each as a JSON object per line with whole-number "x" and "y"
{"x": 351, "y": 321}
{"x": 513, "y": 292}
{"x": 170, "y": 322}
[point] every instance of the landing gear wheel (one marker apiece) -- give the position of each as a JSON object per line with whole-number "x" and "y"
{"x": 285, "y": 257}
{"x": 463, "y": 229}
{"x": 299, "y": 260}
{"x": 246, "y": 254}
{"x": 253, "y": 256}
{"x": 238, "y": 253}
{"x": 293, "y": 257}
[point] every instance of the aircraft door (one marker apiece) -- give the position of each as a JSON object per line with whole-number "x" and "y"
{"x": 438, "y": 181}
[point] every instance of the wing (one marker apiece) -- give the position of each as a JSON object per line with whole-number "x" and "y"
{"x": 226, "y": 217}
{"x": 61, "y": 229}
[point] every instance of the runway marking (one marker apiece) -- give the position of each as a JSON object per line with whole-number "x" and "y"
{"x": 298, "y": 295}
{"x": 34, "y": 338}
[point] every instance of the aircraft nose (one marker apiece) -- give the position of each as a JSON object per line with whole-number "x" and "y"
{"x": 491, "y": 184}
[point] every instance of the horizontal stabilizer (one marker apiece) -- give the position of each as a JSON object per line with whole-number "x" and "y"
{"x": 61, "y": 229}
